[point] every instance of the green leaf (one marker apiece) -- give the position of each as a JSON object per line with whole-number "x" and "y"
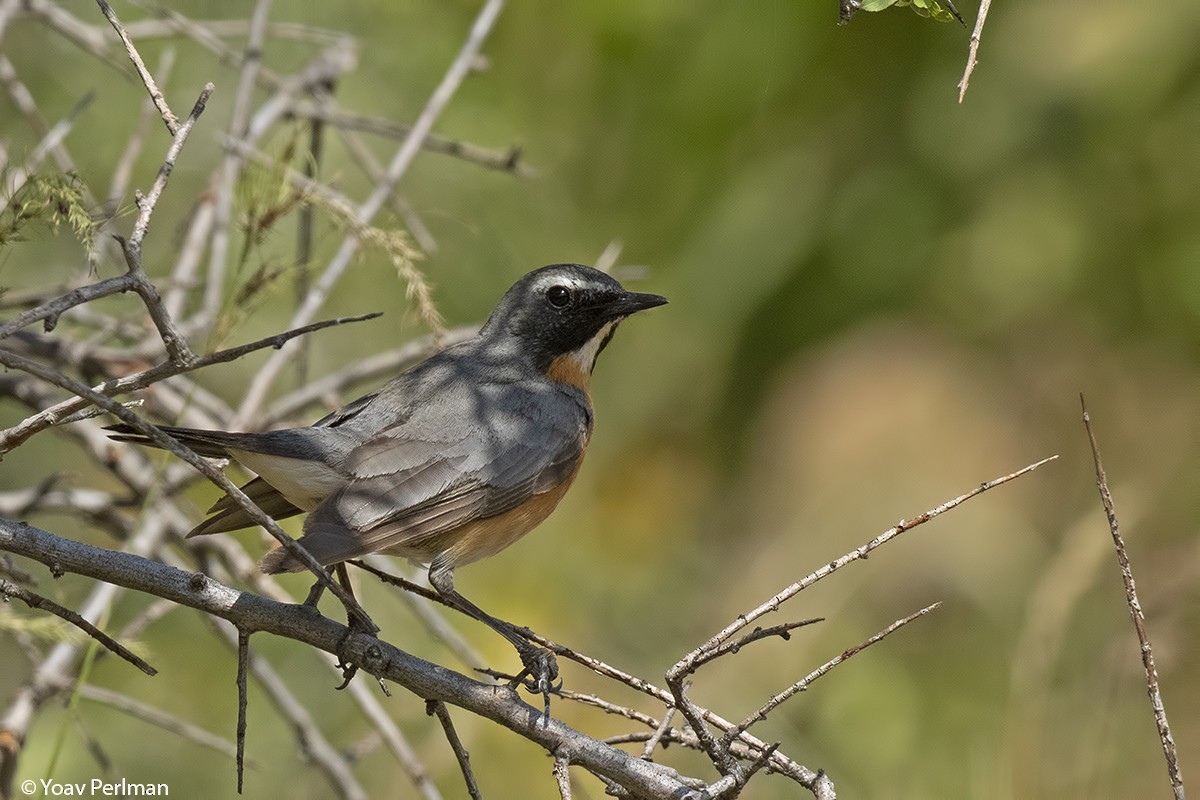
{"x": 940, "y": 10}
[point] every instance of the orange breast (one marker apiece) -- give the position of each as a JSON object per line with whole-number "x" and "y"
{"x": 570, "y": 369}
{"x": 486, "y": 537}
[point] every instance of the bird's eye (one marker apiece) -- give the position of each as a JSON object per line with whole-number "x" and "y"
{"x": 558, "y": 296}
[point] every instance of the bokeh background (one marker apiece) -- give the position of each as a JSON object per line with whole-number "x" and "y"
{"x": 879, "y": 298}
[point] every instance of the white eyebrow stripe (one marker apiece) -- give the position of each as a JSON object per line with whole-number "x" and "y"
{"x": 546, "y": 281}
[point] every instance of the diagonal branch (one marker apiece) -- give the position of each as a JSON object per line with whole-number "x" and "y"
{"x": 160, "y": 102}
{"x": 34, "y": 600}
{"x": 803, "y": 684}
{"x": 15, "y": 436}
{"x": 438, "y": 709}
{"x": 973, "y": 51}
{"x": 688, "y": 663}
{"x": 1135, "y": 611}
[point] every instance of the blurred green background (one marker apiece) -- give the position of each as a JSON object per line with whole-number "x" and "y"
{"x": 879, "y": 298}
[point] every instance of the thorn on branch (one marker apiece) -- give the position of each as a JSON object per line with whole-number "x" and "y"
{"x": 243, "y": 666}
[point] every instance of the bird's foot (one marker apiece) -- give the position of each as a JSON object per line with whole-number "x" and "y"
{"x": 540, "y": 668}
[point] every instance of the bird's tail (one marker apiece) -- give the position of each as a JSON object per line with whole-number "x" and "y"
{"x": 212, "y": 444}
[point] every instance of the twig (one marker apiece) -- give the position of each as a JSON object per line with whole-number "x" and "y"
{"x": 34, "y": 600}
{"x": 659, "y": 732}
{"x": 438, "y": 708}
{"x": 312, "y": 741}
{"x": 147, "y": 203}
{"x": 686, "y": 664}
{"x": 123, "y": 172}
{"x": 173, "y": 340}
{"x": 1135, "y": 611}
{"x": 731, "y": 785}
{"x": 159, "y": 718}
{"x": 226, "y": 178}
{"x": 461, "y": 66}
{"x": 160, "y": 102}
{"x": 504, "y": 161}
{"x": 779, "y": 762}
{"x": 803, "y": 684}
{"x": 51, "y": 310}
{"x": 973, "y": 52}
{"x": 782, "y": 631}
{"x": 676, "y": 675}
{"x": 13, "y": 437}
{"x": 609, "y": 707}
{"x": 562, "y": 775}
{"x": 315, "y": 746}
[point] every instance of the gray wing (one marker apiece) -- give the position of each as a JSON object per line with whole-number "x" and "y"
{"x": 444, "y": 466}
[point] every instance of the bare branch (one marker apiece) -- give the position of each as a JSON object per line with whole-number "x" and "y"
{"x": 51, "y": 310}
{"x": 973, "y": 52}
{"x": 34, "y": 600}
{"x": 1174, "y": 774}
{"x": 438, "y": 709}
{"x": 779, "y": 763}
{"x": 316, "y": 747}
{"x": 659, "y": 732}
{"x": 504, "y": 161}
{"x": 146, "y": 204}
{"x": 803, "y": 684}
{"x": 160, "y": 102}
{"x": 157, "y": 717}
{"x": 123, "y": 171}
{"x": 562, "y": 776}
{"x": 687, "y": 664}
{"x": 782, "y": 631}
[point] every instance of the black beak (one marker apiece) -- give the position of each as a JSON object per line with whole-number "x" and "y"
{"x": 632, "y": 302}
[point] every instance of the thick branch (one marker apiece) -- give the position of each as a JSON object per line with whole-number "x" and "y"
{"x": 251, "y": 612}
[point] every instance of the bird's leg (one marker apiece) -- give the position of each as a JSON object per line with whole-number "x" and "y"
{"x": 314, "y": 595}
{"x": 539, "y": 663}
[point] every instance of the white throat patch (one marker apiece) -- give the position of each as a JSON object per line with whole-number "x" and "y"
{"x": 585, "y": 357}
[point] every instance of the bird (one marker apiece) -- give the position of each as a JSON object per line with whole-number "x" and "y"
{"x": 451, "y": 461}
